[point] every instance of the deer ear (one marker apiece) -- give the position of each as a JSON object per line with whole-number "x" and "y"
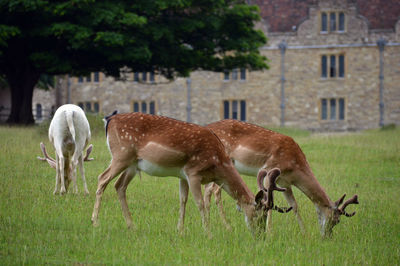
{"x": 259, "y": 198}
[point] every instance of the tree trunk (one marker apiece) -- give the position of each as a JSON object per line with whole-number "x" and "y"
{"x": 21, "y": 97}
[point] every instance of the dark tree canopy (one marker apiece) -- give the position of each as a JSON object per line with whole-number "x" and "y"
{"x": 171, "y": 37}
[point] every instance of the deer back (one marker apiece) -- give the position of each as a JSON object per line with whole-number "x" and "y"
{"x": 256, "y": 146}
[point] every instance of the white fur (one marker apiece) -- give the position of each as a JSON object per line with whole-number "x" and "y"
{"x": 69, "y": 132}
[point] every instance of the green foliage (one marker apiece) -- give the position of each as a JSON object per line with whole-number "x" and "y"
{"x": 172, "y": 37}
{"x": 39, "y": 228}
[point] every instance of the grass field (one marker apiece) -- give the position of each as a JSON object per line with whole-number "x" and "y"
{"x": 38, "y": 228}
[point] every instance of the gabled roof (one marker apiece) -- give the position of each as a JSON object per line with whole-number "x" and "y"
{"x": 282, "y": 15}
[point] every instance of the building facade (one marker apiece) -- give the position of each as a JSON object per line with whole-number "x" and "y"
{"x": 334, "y": 65}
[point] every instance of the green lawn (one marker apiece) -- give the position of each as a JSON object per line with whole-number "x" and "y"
{"x": 37, "y": 227}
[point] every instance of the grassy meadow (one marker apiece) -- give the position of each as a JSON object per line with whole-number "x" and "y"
{"x": 38, "y": 228}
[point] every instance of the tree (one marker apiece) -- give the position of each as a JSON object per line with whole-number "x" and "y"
{"x": 171, "y": 37}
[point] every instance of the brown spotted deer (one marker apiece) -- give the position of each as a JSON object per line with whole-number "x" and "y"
{"x": 253, "y": 148}
{"x": 162, "y": 146}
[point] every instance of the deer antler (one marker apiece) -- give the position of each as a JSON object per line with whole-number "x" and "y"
{"x": 268, "y": 192}
{"x": 353, "y": 200}
{"x": 52, "y": 162}
{"x": 47, "y": 158}
{"x": 88, "y": 151}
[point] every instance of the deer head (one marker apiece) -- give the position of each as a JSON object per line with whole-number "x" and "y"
{"x": 264, "y": 198}
{"x": 68, "y": 169}
{"x": 332, "y": 218}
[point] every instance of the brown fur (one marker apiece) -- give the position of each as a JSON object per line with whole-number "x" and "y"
{"x": 168, "y": 143}
{"x": 261, "y": 148}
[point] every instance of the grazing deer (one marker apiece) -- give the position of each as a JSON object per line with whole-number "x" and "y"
{"x": 162, "y": 146}
{"x": 253, "y": 148}
{"x": 69, "y": 132}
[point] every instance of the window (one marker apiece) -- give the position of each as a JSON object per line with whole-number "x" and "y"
{"x": 324, "y": 22}
{"x": 96, "y": 76}
{"x": 152, "y": 108}
{"x": 324, "y": 67}
{"x": 226, "y": 75}
{"x": 332, "y": 22}
{"x": 341, "y": 66}
{"x": 332, "y": 66}
{"x": 242, "y": 74}
{"x": 341, "y": 21}
{"x": 234, "y": 109}
{"x": 235, "y": 74}
{"x": 96, "y": 107}
{"x": 147, "y": 107}
{"x": 144, "y": 107}
{"x": 145, "y": 77}
{"x": 333, "y": 109}
{"x": 136, "y": 76}
{"x": 90, "y": 106}
{"x": 39, "y": 114}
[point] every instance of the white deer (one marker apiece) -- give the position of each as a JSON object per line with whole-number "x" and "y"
{"x": 161, "y": 146}
{"x": 253, "y": 148}
{"x": 69, "y": 132}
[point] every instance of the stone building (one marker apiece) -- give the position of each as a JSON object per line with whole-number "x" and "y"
{"x": 334, "y": 65}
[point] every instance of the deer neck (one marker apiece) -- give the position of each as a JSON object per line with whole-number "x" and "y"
{"x": 310, "y": 186}
{"x": 234, "y": 185}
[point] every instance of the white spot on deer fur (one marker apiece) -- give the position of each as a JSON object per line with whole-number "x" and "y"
{"x": 143, "y": 134}
{"x": 122, "y": 137}
{"x": 136, "y": 129}
{"x": 123, "y": 148}
{"x": 141, "y": 118}
{"x": 123, "y": 130}
{"x": 130, "y": 137}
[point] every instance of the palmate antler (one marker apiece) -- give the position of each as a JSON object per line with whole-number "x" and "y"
{"x": 52, "y": 162}
{"x": 268, "y": 192}
{"x": 353, "y": 200}
{"x": 47, "y": 158}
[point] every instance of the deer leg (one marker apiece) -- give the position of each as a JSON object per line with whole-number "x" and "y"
{"x": 218, "y": 201}
{"x": 82, "y": 171}
{"x": 183, "y": 196}
{"x": 61, "y": 162}
{"x": 208, "y": 191}
{"x": 58, "y": 175}
{"x": 121, "y": 185}
{"x": 195, "y": 188}
{"x": 71, "y": 169}
{"x": 110, "y": 173}
{"x": 292, "y": 202}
